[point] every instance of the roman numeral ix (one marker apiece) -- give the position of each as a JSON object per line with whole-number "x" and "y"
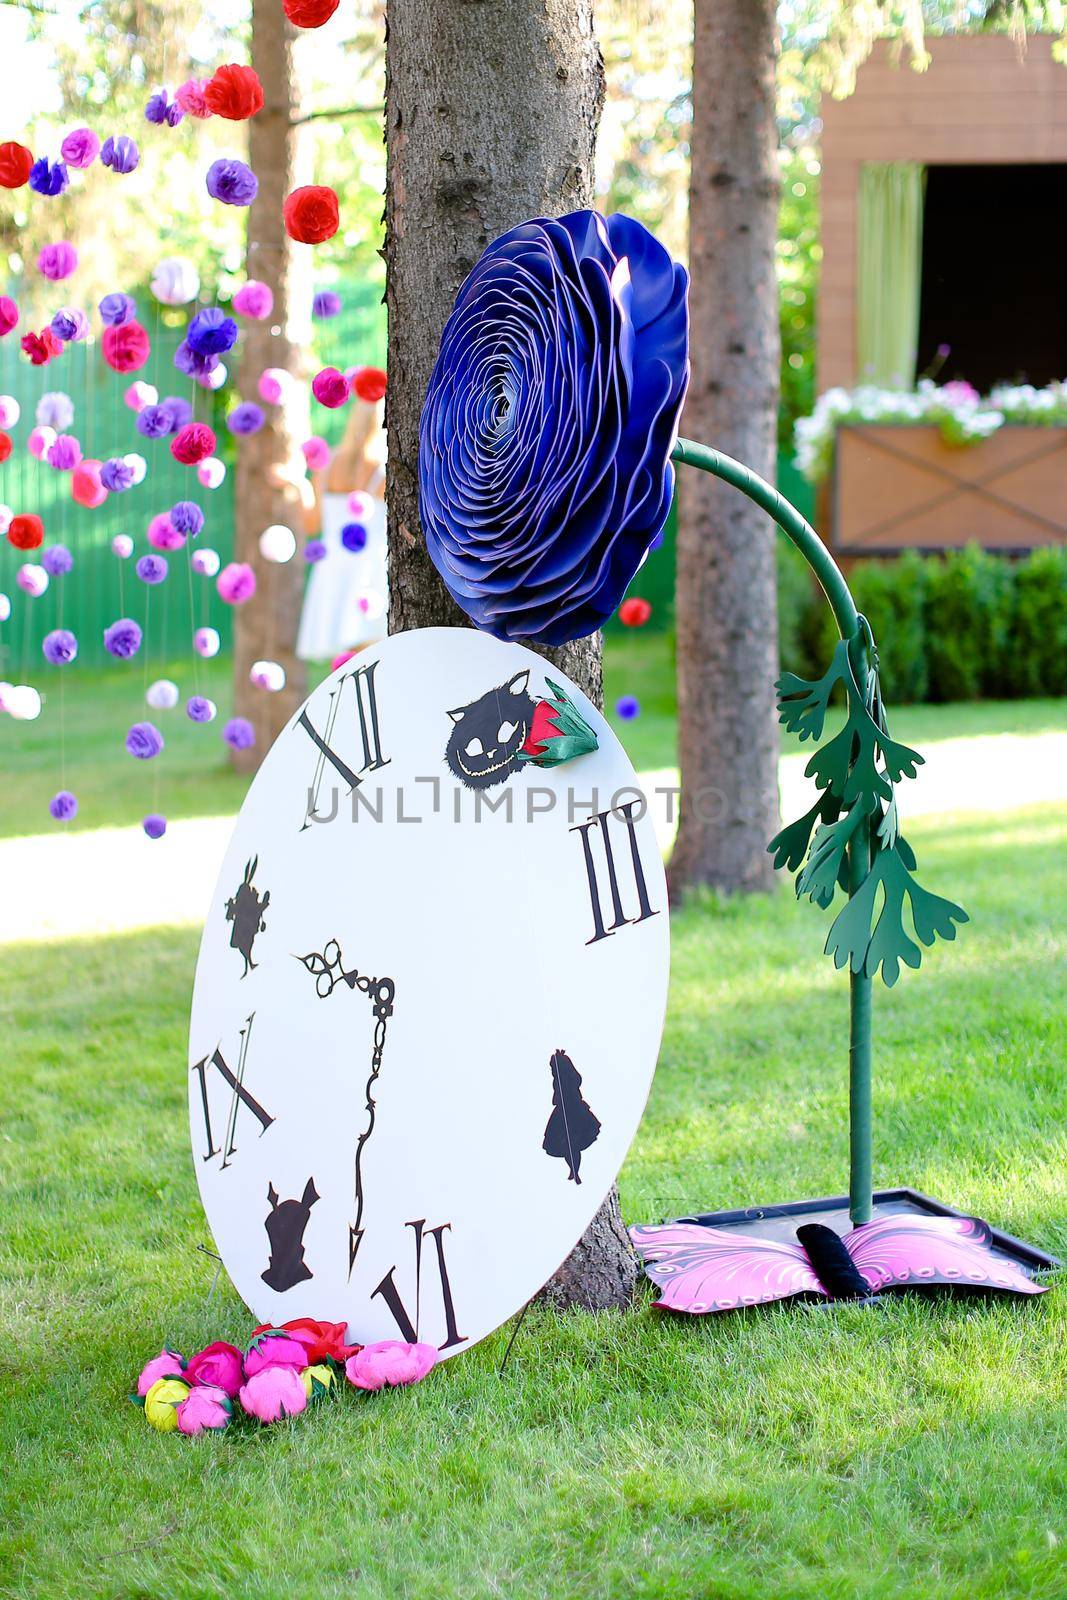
{"x": 240, "y": 1096}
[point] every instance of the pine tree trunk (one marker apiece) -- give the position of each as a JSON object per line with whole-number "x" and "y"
{"x": 265, "y": 627}
{"x": 491, "y": 118}
{"x": 726, "y": 594}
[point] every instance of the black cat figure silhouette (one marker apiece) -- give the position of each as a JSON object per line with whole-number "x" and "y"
{"x": 245, "y": 910}
{"x": 572, "y": 1127}
{"x": 486, "y": 743}
{"x": 285, "y": 1227}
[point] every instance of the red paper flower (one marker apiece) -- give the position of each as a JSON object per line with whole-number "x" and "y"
{"x": 41, "y": 347}
{"x": 323, "y": 1340}
{"x": 234, "y": 93}
{"x": 126, "y": 348}
{"x": 26, "y": 532}
{"x": 309, "y": 13}
{"x": 15, "y": 164}
{"x": 542, "y": 728}
{"x": 634, "y": 613}
{"x": 6, "y": 446}
{"x": 369, "y": 383}
{"x": 193, "y": 443}
{"x": 311, "y": 214}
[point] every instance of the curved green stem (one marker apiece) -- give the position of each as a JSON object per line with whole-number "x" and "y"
{"x": 832, "y": 580}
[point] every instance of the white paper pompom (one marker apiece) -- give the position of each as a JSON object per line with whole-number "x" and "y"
{"x": 32, "y": 579}
{"x": 122, "y": 546}
{"x": 5, "y": 607}
{"x": 277, "y": 543}
{"x": 55, "y": 410}
{"x": 205, "y": 561}
{"x": 137, "y": 465}
{"x": 6, "y": 691}
{"x": 175, "y": 281}
{"x": 24, "y": 703}
{"x": 211, "y": 472}
{"x": 206, "y": 642}
{"x": 217, "y": 377}
{"x": 10, "y": 411}
{"x": 7, "y": 516}
{"x": 269, "y": 675}
{"x": 162, "y": 695}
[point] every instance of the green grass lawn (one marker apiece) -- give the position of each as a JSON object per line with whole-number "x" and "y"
{"x": 802, "y": 1454}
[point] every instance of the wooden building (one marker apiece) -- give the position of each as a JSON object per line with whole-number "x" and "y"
{"x": 944, "y": 232}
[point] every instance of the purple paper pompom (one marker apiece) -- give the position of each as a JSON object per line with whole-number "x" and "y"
{"x": 57, "y": 261}
{"x": 194, "y": 363}
{"x": 155, "y": 110}
{"x": 48, "y": 177}
{"x": 154, "y": 825}
{"x": 177, "y": 411}
{"x": 232, "y": 182}
{"x": 627, "y": 707}
{"x": 80, "y": 148}
{"x": 122, "y": 638}
{"x": 117, "y": 309}
{"x": 175, "y": 114}
{"x": 144, "y": 741}
{"x": 65, "y": 453}
{"x": 152, "y": 422}
{"x": 187, "y": 517}
{"x": 116, "y": 474}
{"x": 239, "y": 733}
{"x": 152, "y": 569}
{"x": 326, "y": 303}
{"x": 354, "y": 536}
{"x": 211, "y": 332}
{"x": 121, "y": 154}
{"x": 198, "y": 708}
{"x": 314, "y": 551}
{"x": 245, "y": 418}
{"x": 63, "y": 806}
{"x": 59, "y": 647}
{"x": 70, "y": 325}
{"x": 57, "y": 560}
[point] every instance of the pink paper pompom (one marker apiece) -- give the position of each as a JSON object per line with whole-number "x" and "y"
{"x": 40, "y": 440}
{"x": 193, "y": 443}
{"x": 57, "y": 261}
{"x": 316, "y": 453}
{"x": 275, "y": 1350}
{"x": 254, "y": 299}
{"x": 330, "y": 388}
{"x": 274, "y": 1393}
{"x": 361, "y": 505}
{"x": 163, "y": 535}
{"x": 207, "y": 1408}
{"x": 85, "y": 485}
{"x": 141, "y": 394}
{"x": 192, "y": 99}
{"x": 390, "y": 1362}
{"x": 211, "y": 472}
{"x": 236, "y": 583}
{"x": 80, "y": 147}
{"x": 32, "y": 579}
{"x": 168, "y": 1364}
{"x": 273, "y": 384}
{"x": 219, "y": 1364}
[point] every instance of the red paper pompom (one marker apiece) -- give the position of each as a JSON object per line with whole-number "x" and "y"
{"x": 26, "y": 532}
{"x": 126, "y": 347}
{"x": 634, "y": 613}
{"x": 311, "y": 214}
{"x": 234, "y": 93}
{"x": 193, "y": 443}
{"x": 41, "y": 347}
{"x": 15, "y": 164}
{"x": 369, "y": 383}
{"x": 309, "y": 13}
{"x": 6, "y": 446}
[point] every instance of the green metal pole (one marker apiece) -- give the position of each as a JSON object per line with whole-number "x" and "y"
{"x": 832, "y": 580}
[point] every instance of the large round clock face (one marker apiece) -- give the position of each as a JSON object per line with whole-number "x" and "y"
{"x": 429, "y": 997}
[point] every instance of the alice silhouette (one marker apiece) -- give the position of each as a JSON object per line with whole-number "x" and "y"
{"x": 572, "y": 1127}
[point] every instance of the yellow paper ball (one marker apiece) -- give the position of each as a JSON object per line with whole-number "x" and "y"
{"x": 159, "y": 1403}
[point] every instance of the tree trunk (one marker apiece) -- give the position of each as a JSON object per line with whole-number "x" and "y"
{"x": 491, "y": 118}
{"x": 726, "y": 595}
{"x": 265, "y": 627}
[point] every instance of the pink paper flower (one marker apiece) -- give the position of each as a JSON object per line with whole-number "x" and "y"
{"x": 389, "y": 1362}
{"x": 275, "y": 1350}
{"x": 168, "y": 1364}
{"x": 163, "y": 535}
{"x": 316, "y": 452}
{"x": 274, "y": 1393}
{"x": 192, "y": 99}
{"x": 254, "y": 299}
{"x": 236, "y": 583}
{"x": 219, "y": 1365}
{"x": 206, "y": 1409}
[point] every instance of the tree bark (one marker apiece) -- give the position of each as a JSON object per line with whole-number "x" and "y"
{"x": 726, "y": 594}
{"x": 491, "y": 117}
{"x": 265, "y": 627}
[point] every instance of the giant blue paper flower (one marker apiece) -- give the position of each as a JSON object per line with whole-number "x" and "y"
{"x": 544, "y": 456}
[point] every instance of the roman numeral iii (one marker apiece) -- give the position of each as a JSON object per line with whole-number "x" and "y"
{"x": 596, "y": 837}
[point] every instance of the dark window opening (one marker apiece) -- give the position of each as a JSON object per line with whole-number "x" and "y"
{"x": 993, "y": 283}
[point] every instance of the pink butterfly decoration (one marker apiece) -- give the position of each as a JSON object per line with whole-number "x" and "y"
{"x": 701, "y": 1268}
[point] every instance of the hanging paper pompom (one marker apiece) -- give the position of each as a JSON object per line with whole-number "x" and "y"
{"x": 86, "y": 485}
{"x": 122, "y": 546}
{"x": 122, "y": 638}
{"x": 354, "y": 536}
{"x": 187, "y": 517}
{"x": 57, "y": 261}
{"x": 206, "y": 562}
{"x": 175, "y": 281}
{"x": 24, "y": 703}
{"x": 325, "y": 304}
{"x": 40, "y": 441}
{"x": 193, "y": 443}
{"x": 59, "y": 647}
{"x": 268, "y": 675}
{"x": 137, "y": 465}
{"x": 236, "y": 583}
{"x": 5, "y": 607}
{"x": 232, "y": 182}
{"x": 69, "y": 325}
{"x": 254, "y": 299}
{"x": 311, "y": 214}
{"x": 160, "y": 109}
{"x": 635, "y": 612}
{"x": 57, "y": 560}
{"x": 6, "y": 445}
{"x": 627, "y": 707}
{"x": 369, "y": 383}
{"x": 121, "y": 154}
{"x": 152, "y": 569}
{"x": 117, "y": 308}
{"x": 10, "y": 411}
{"x": 192, "y": 363}
{"x": 211, "y": 472}
{"x": 163, "y": 535}
{"x": 212, "y": 332}
{"x": 245, "y": 418}
{"x": 63, "y": 806}
{"x": 273, "y": 385}
{"x": 316, "y": 453}
{"x": 65, "y": 453}
{"x": 32, "y": 579}
{"x": 40, "y": 347}
{"x": 162, "y": 695}
{"x": 234, "y": 92}
{"x": 361, "y": 505}
{"x": 177, "y": 411}
{"x": 80, "y": 148}
{"x": 152, "y": 422}
{"x": 277, "y": 543}
{"x": 55, "y": 410}
{"x": 206, "y": 642}
{"x": 141, "y": 394}
{"x": 192, "y": 98}
{"x": 198, "y": 708}
{"x": 9, "y": 314}
{"x": 309, "y": 13}
{"x": 314, "y": 550}
{"x": 26, "y": 531}
{"x": 144, "y": 741}
{"x": 116, "y": 475}
{"x": 154, "y": 825}
{"x": 330, "y": 388}
{"x": 215, "y": 379}
{"x": 48, "y": 178}
{"x": 239, "y": 733}
{"x": 125, "y": 348}
{"x": 7, "y": 516}
{"x": 16, "y": 164}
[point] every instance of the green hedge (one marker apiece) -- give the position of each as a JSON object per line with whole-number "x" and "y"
{"x": 963, "y": 626}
